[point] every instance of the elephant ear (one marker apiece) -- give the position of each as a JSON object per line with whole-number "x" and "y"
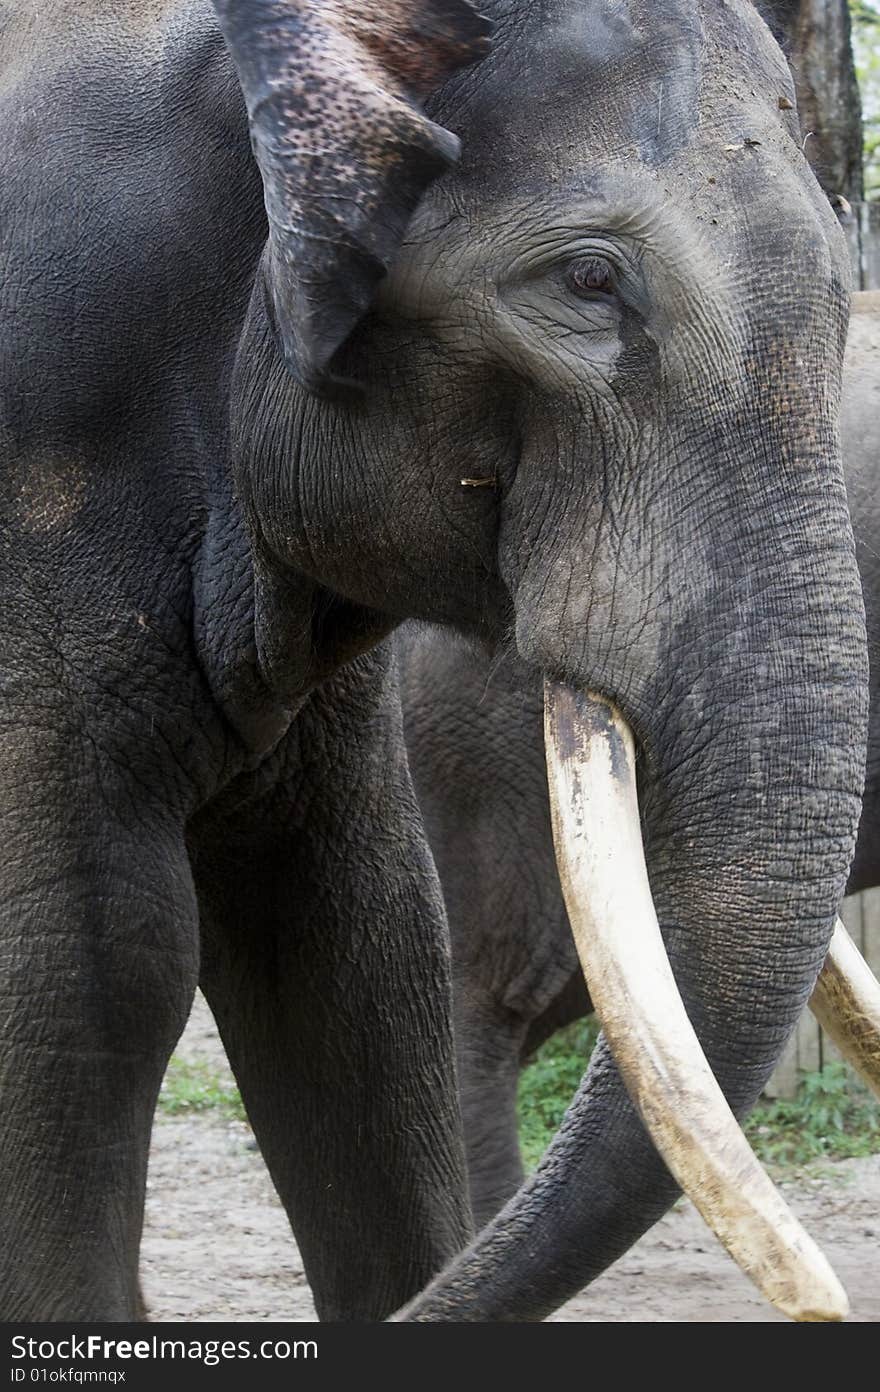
{"x": 334, "y": 91}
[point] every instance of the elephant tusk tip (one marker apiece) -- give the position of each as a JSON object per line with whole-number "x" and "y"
{"x": 828, "y": 1314}
{"x": 802, "y": 1285}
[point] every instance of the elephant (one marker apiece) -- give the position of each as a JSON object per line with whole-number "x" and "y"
{"x": 474, "y": 730}
{"x": 318, "y": 317}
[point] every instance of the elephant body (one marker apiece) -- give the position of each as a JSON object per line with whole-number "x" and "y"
{"x": 474, "y": 730}
{"x": 307, "y": 327}
{"x": 167, "y": 820}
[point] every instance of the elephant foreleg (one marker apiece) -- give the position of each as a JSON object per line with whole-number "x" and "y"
{"x": 326, "y": 965}
{"x": 98, "y": 965}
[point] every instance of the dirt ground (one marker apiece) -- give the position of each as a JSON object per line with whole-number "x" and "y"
{"x": 217, "y": 1245}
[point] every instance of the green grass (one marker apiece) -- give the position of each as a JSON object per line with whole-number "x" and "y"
{"x": 548, "y": 1084}
{"x": 196, "y": 1087}
{"x": 833, "y": 1116}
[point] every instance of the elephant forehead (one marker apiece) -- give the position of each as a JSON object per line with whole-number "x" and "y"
{"x": 570, "y": 79}
{"x": 635, "y": 64}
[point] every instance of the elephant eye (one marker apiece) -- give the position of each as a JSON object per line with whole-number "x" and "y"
{"x": 591, "y": 276}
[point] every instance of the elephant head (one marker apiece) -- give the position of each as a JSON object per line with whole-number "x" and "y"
{"x": 596, "y": 422}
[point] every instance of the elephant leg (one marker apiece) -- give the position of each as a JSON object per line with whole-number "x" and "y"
{"x": 494, "y": 1042}
{"x": 98, "y": 966}
{"x": 325, "y": 962}
{"x": 323, "y": 1007}
{"x": 490, "y": 1043}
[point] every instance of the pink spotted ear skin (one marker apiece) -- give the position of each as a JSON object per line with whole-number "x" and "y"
{"x": 334, "y": 92}
{"x": 420, "y": 44}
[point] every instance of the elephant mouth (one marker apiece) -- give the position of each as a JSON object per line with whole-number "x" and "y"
{"x": 591, "y": 768}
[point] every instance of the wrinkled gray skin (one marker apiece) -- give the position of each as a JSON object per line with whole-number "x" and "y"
{"x": 860, "y": 421}
{"x": 206, "y": 530}
{"x": 474, "y": 729}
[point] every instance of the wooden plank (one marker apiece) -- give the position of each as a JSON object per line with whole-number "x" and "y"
{"x": 785, "y": 1078}
{"x": 869, "y": 246}
{"x": 853, "y": 232}
{"x": 862, "y": 231}
{"x": 809, "y": 1043}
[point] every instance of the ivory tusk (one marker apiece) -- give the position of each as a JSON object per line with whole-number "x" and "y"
{"x": 846, "y": 1002}
{"x": 591, "y": 768}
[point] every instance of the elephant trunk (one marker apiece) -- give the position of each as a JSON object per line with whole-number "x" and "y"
{"x": 745, "y": 875}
